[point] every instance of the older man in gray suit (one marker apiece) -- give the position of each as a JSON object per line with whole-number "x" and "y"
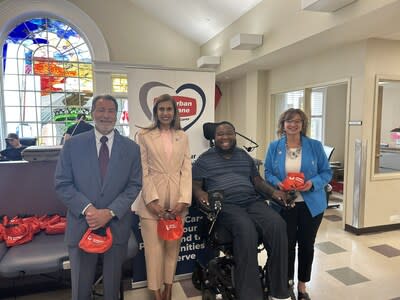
{"x": 98, "y": 176}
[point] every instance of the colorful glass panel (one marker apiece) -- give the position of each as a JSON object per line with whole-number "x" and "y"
{"x": 46, "y": 68}
{"x": 119, "y": 83}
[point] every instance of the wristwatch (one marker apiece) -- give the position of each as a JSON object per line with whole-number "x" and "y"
{"x": 112, "y": 213}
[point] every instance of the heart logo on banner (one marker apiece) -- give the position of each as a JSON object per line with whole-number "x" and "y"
{"x": 144, "y": 90}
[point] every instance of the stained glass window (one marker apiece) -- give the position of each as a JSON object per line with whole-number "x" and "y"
{"x": 120, "y": 83}
{"x": 120, "y": 90}
{"x": 47, "y": 79}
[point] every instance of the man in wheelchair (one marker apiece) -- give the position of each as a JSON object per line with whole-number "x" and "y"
{"x": 244, "y": 214}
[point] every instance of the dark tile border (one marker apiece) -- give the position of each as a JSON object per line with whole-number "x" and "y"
{"x": 373, "y": 229}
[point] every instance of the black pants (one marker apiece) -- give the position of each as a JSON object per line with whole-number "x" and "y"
{"x": 246, "y": 225}
{"x": 302, "y": 229}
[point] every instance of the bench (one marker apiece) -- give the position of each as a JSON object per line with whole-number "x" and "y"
{"x": 44, "y": 254}
{"x": 27, "y": 188}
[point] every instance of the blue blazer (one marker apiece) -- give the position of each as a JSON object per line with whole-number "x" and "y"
{"x": 78, "y": 183}
{"x": 314, "y": 165}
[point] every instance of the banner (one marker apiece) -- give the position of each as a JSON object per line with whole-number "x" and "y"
{"x": 194, "y": 93}
{"x": 192, "y": 248}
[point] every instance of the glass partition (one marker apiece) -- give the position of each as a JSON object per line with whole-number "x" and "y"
{"x": 387, "y": 147}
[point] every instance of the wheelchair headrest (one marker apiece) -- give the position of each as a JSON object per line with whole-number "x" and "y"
{"x": 28, "y": 141}
{"x": 209, "y": 130}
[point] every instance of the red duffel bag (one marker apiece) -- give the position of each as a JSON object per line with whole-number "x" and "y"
{"x": 170, "y": 230}
{"x": 57, "y": 227}
{"x": 96, "y": 241}
{"x": 1, "y": 232}
{"x": 48, "y": 219}
{"x": 17, "y": 234}
{"x": 3, "y": 223}
{"x": 33, "y": 221}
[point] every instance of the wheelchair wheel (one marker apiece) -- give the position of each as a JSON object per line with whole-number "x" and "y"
{"x": 208, "y": 294}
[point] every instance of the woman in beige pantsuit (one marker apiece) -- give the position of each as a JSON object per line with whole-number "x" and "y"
{"x": 167, "y": 190}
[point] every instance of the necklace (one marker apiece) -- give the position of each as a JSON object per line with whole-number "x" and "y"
{"x": 293, "y": 153}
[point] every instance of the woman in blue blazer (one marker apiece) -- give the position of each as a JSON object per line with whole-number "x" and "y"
{"x": 295, "y": 152}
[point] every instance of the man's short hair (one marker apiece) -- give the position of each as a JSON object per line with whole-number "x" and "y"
{"x": 223, "y": 123}
{"x": 105, "y": 97}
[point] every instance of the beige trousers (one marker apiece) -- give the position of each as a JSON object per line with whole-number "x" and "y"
{"x": 161, "y": 256}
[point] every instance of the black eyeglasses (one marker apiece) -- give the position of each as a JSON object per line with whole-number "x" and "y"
{"x": 294, "y": 121}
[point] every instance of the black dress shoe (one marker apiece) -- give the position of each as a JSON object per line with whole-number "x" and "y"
{"x": 303, "y": 296}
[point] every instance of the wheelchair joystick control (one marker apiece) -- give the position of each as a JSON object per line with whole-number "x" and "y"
{"x": 291, "y": 197}
{"x": 211, "y": 211}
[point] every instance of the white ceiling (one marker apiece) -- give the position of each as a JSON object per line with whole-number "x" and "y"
{"x": 199, "y": 20}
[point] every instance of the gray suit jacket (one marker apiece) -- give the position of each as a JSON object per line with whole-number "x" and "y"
{"x": 78, "y": 183}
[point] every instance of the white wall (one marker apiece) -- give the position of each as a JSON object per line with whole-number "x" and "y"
{"x": 243, "y": 103}
{"x": 137, "y": 38}
{"x": 335, "y": 120}
{"x": 232, "y": 106}
{"x": 381, "y": 200}
{"x": 284, "y": 25}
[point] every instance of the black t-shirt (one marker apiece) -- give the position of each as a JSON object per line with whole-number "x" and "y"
{"x": 81, "y": 127}
{"x": 12, "y": 153}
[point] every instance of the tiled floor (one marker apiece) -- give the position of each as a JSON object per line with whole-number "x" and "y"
{"x": 346, "y": 267}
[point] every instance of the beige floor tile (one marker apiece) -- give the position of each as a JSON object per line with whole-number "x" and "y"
{"x": 383, "y": 272}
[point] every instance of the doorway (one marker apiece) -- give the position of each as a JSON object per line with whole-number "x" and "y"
{"x": 326, "y": 108}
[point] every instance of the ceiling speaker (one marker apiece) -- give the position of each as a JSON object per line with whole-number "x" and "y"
{"x": 245, "y": 41}
{"x": 208, "y": 61}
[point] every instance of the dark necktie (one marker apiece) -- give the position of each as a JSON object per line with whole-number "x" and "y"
{"x": 104, "y": 157}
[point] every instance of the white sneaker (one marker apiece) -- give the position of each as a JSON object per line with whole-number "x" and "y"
{"x": 273, "y": 298}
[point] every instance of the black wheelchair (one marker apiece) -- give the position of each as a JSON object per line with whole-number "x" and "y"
{"x": 216, "y": 277}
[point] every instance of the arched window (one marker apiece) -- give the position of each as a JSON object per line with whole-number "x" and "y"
{"x": 47, "y": 79}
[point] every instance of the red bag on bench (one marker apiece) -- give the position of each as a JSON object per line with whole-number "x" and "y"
{"x": 17, "y": 234}
{"x": 1, "y": 232}
{"x": 56, "y": 227}
{"x": 34, "y": 222}
{"x": 46, "y": 219}
{"x": 3, "y": 222}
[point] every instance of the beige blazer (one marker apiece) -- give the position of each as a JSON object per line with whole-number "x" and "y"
{"x": 169, "y": 181}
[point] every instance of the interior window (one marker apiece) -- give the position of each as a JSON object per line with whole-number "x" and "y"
{"x": 387, "y": 150}
{"x": 317, "y": 114}
{"x": 314, "y": 108}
